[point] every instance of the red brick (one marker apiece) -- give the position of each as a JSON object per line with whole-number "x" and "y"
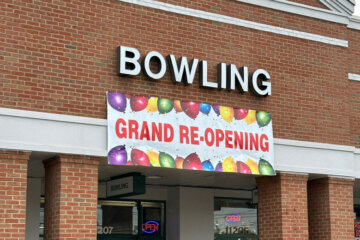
{"x": 63, "y": 213}
{"x": 282, "y": 206}
{"x": 13, "y": 184}
{"x": 331, "y": 213}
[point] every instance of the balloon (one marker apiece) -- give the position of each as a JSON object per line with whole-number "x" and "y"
{"x": 154, "y": 158}
{"x": 216, "y": 109}
{"x": 179, "y": 162}
{"x": 129, "y": 163}
{"x": 253, "y": 166}
{"x": 177, "y": 106}
{"x": 227, "y": 113}
{"x": 117, "y": 101}
{"x": 240, "y": 113}
{"x": 138, "y": 157}
{"x": 191, "y": 109}
{"x": 192, "y": 161}
{"x": 152, "y": 105}
{"x": 205, "y": 108}
{"x": 229, "y": 165}
{"x": 165, "y": 105}
{"x": 263, "y": 118}
{"x": 243, "y": 168}
{"x": 127, "y": 95}
{"x": 207, "y": 166}
{"x": 166, "y": 160}
{"x": 265, "y": 168}
{"x": 219, "y": 167}
{"x": 117, "y": 155}
{"x": 138, "y": 103}
{"x": 250, "y": 117}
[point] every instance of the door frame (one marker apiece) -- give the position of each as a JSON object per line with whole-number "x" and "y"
{"x": 130, "y": 202}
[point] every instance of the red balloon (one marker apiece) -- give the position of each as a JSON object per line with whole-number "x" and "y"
{"x": 192, "y": 162}
{"x": 240, "y": 113}
{"x": 138, "y": 157}
{"x": 129, "y": 163}
{"x": 243, "y": 168}
{"x": 138, "y": 103}
{"x": 191, "y": 109}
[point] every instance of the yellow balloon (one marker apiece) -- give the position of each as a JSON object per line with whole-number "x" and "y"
{"x": 253, "y": 166}
{"x": 250, "y": 117}
{"x": 154, "y": 158}
{"x": 152, "y": 105}
{"x": 229, "y": 165}
{"x": 227, "y": 113}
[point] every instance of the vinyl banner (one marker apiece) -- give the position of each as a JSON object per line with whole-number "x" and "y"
{"x": 158, "y": 132}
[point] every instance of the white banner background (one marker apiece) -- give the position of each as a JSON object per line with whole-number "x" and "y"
{"x": 175, "y": 148}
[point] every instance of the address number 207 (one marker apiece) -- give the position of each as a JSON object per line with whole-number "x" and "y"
{"x": 104, "y": 230}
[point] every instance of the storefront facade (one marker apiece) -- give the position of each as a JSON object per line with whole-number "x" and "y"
{"x": 60, "y": 59}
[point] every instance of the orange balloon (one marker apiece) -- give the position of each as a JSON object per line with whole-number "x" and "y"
{"x": 177, "y": 106}
{"x": 253, "y": 166}
{"x": 179, "y": 162}
{"x": 154, "y": 158}
{"x": 250, "y": 117}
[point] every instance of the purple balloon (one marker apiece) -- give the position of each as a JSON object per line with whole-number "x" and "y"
{"x": 216, "y": 109}
{"x": 219, "y": 167}
{"x": 117, "y": 101}
{"x": 117, "y": 155}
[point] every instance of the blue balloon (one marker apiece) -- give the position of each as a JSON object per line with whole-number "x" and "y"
{"x": 207, "y": 166}
{"x": 205, "y": 108}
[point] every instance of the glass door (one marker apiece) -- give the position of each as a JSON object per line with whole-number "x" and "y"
{"x": 130, "y": 220}
{"x": 235, "y": 219}
{"x": 152, "y": 221}
{"x": 117, "y": 220}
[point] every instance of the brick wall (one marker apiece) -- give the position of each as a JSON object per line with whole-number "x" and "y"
{"x": 354, "y": 86}
{"x": 354, "y": 94}
{"x": 71, "y": 183}
{"x": 259, "y": 14}
{"x": 13, "y": 184}
{"x": 282, "y": 206}
{"x": 354, "y": 51}
{"x": 331, "y": 213}
{"x": 59, "y": 56}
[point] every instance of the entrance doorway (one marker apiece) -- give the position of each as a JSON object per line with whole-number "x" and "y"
{"x": 131, "y": 220}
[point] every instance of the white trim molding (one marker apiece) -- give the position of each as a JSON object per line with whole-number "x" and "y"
{"x": 354, "y": 23}
{"x": 237, "y": 22}
{"x": 305, "y": 144}
{"x": 52, "y": 133}
{"x": 353, "y": 76}
{"x": 342, "y": 6}
{"x": 301, "y": 9}
{"x": 56, "y": 133}
{"x": 52, "y": 117}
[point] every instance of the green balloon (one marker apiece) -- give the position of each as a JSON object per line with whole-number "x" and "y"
{"x": 165, "y": 105}
{"x": 166, "y": 160}
{"x": 263, "y": 118}
{"x": 265, "y": 168}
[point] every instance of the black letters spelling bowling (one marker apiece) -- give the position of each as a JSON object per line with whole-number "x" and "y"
{"x": 229, "y": 76}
